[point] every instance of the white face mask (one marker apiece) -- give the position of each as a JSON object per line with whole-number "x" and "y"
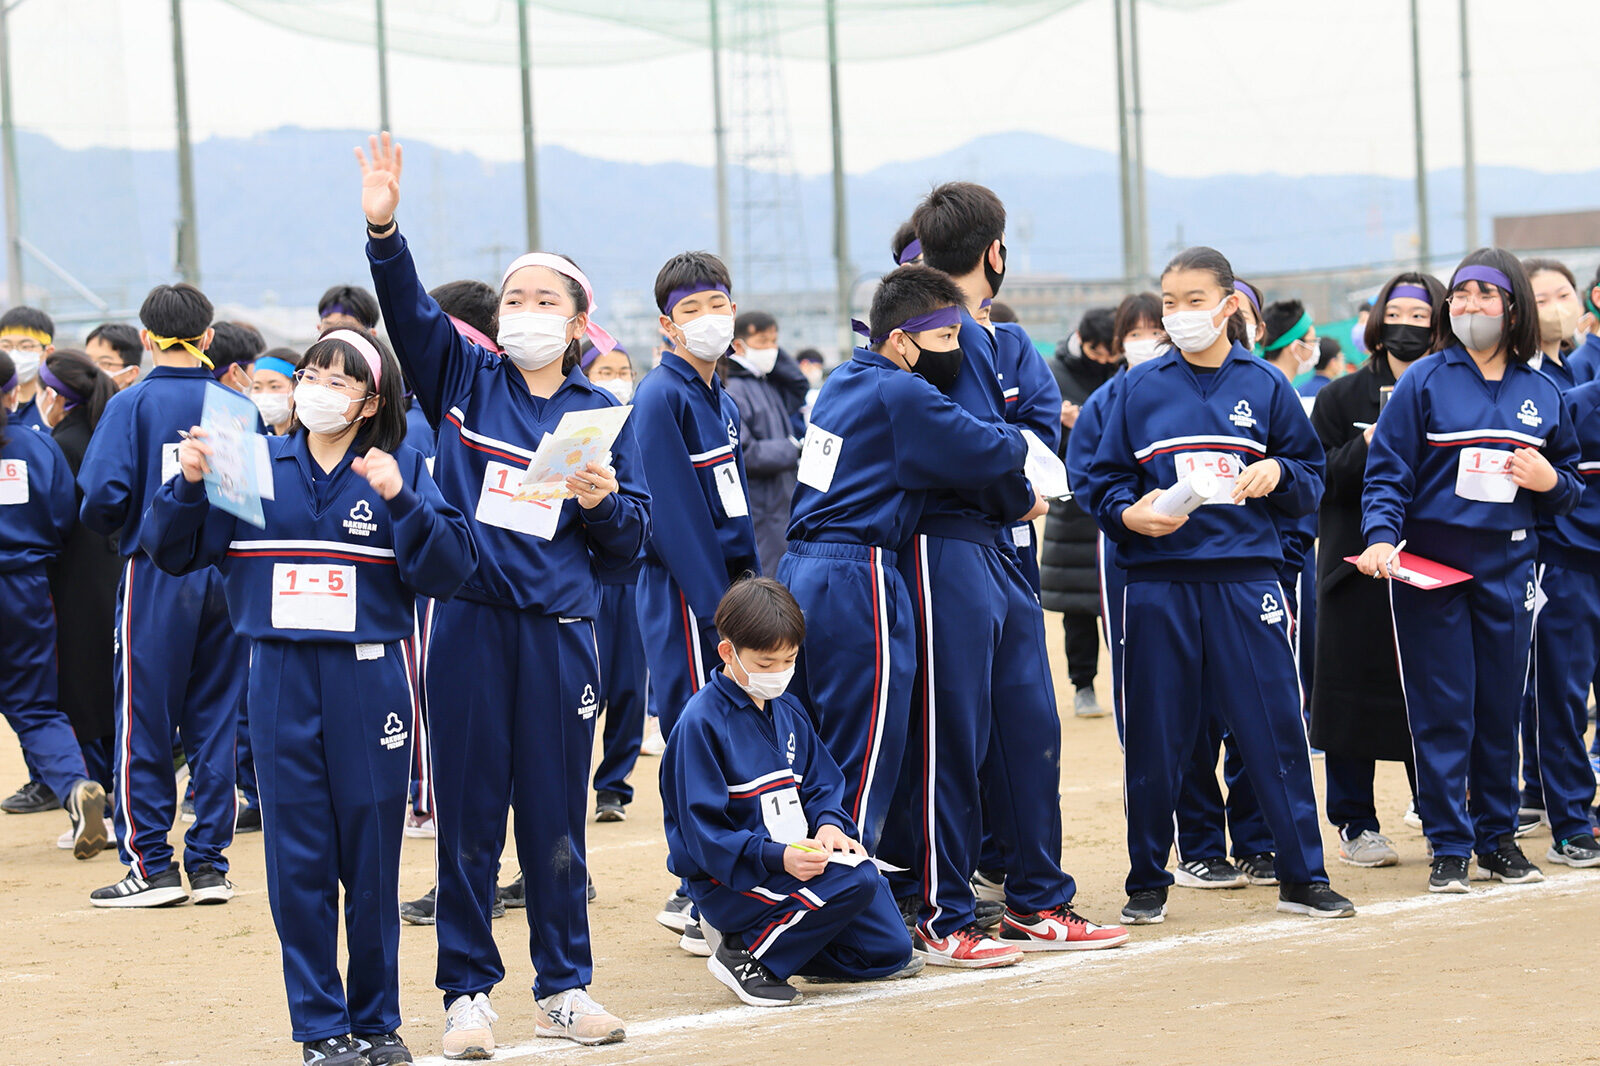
{"x": 1310, "y": 362}
{"x": 1142, "y": 350}
{"x": 621, "y": 388}
{"x": 761, "y": 360}
{"x": 531, "y": 339}
{"x": 321, "y": 409}
{"x": 708, "y": 336}
{"x": 274, "y": 406}
{"x": 27, "y": 364}
{"x": 765, "y": 686}
{"x": 1194, "y": 331}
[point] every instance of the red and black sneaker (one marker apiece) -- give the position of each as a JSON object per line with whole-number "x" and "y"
{"x": 968, "y": 947}
{"x": 1059, "y": 929}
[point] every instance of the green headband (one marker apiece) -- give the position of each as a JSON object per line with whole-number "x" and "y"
{"x": 1298, "y": 330}
{"x": 1588, "y": 301}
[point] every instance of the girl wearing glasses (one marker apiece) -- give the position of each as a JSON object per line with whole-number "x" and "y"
{"x": 1473, "y": 449}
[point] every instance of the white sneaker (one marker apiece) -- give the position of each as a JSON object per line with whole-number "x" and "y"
{"x": 573, "y": 1015}
{"x": 1411, "y": 817}
{"x": 420, "y": 826}
{"x": 1369, "y": 849}
{"x": 469, "y": 1028}
{"x": 654, "y": 743}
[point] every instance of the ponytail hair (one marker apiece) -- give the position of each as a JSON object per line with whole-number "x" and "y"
{"x": 80, "y": 375}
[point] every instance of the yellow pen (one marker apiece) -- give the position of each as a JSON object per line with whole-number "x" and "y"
{"x": 808, "y": 851}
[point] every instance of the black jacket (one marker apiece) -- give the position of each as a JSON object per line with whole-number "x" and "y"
{"x": 771, "y": 455}
{"x": 1069, "y": 577}
{"x": 1357, "y": 707}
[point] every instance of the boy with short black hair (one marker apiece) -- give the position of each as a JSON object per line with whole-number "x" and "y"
{"x": 768, "y": 389}
{"x": 234, "y": 349}
{"x": 755, "y": 815}
{"x": 27, "y": 334}
{"x": 345, "y": 306}
{"x": 115, "y": 349}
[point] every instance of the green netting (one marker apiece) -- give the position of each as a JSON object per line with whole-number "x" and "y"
{"x": 598, "y": 32}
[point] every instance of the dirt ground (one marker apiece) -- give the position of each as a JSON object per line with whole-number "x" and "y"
{"x": 1414, "y": 978}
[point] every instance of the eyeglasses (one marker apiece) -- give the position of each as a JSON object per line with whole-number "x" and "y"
{"x": 11, "y": 344}
{"x": 1464, "y": 300}
{"x": 336, "y": 382}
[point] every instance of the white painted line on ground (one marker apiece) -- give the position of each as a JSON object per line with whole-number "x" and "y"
{"x": 1040, "y": 965}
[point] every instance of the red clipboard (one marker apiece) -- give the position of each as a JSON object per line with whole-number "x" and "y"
{"x": 1422, "y": 573}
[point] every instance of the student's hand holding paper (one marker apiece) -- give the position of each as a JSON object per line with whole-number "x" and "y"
{"x": 1258, "y": 479}
{"x": 192, "y": 456}
{"x": 832, "y": 838}
{"x": 592, "y": 484}
{"x": 1532, "y": 471}
{"x": 1374, "y": 562}
{"x": 381, "y": 472}
{"x": 1144, "y": 519}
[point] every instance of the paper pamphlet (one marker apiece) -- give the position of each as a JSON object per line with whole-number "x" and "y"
{"x": 241, "y": 471}
{"x": 580, "y": 438}
{"x": 1045, "y": 469}
{"x": 1192, "y": 490}
{"x": 845, "y": 858}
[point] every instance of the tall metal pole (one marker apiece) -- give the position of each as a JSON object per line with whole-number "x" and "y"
{"x": 188, "y": 239}
{"x": 1469, "y": 162}
{"x": 1141, "y": 221}
{"x": 1424, "y": 250}
{"x": 720, "y": 130}
{"x": 383, "y": 69}
{"x": 1124, "y": 164}
{"x": 841, "y": 238}
{"x": 13, "y": 196}
{"x": 530, "y": 159}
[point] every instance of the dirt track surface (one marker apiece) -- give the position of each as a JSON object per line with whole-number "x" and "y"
{"x": 1493, "y": 976}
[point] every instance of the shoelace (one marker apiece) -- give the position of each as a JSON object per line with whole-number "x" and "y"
{"x": 1065, "y": 913}
{"x": 575, "y": 1003}
{"x": 1378, "y": 838}
{"x": 1511, "y": 855}
{"x": 477, "y": 1014}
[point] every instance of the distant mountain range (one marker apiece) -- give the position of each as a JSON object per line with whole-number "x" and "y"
{"x": 279, "y": 214}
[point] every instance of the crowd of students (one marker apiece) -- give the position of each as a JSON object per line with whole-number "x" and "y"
{"x": 861, "y": 749}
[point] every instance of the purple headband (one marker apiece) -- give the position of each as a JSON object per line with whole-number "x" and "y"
{"x": 1487, "y": 275}
{"x": 676, "y": 296}
{"x": 61, "y": 388}
{"x": 1411, "y": 292}
{"x": 594, "y": 353}
{"x": 1249, "y": 294}
{"x": 987, "y": 301}
{"x": 909, "y": 252}
{"x": 9, "y": 385}
{"x": 944, "y": 316}
{"x": 335, "y": 309}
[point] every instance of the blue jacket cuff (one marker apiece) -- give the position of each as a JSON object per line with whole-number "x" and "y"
{"x": 772, "y": 856}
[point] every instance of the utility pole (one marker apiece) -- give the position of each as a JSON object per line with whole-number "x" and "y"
{"x": 720, "y": 131}
{"x": 1424, "y": 250}
{"x": 1469, "y": 162}
{"x": 13, "y": 195}
{"x": 188, "y": 238}
{"x": 841, "y": 237}
{"x": 1141, "y": 221}
{"x": 530, "y": 159}
{"x": 383, "y": 69}
{"x": 1124, "y": 171}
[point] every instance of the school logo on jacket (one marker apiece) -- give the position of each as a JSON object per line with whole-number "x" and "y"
{"x": 588, "y": 706}
{"x": 1530, "y": 598}
{"x": 1529, "y": 415}
{"x": 1242, "y": 416}
{"x": 360, "y": 523}
{"x": 791, "y": 749}
{"x": 394, "y": 733}
{"x": 733, "y": 433}
{"x": 1271, "y": 610}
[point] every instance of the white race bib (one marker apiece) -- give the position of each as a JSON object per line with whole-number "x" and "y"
{"x": 819, "y": 458}
{"x": 1022, "y": 535}
{"x": 314, "y": 596}
{"x": 170, "y": 466}
{"x": 734, "y": 504}
{"x": 785, "y": 818}
{"x": 498, "y": 506}
{"x": 1484, "y": 474}
{"x": 13, "y": 481}
{"x": 1224, "y": 466}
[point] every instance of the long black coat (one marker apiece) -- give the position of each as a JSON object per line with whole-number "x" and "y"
{"x": 1069, "y": 578}
{"x": 1357, "y": 707}
{"x": 83, "y": 583}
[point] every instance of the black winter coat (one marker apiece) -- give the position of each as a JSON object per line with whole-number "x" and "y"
{"x": 1069, "y": 577}
{"x": 1357, "y": 707}
{"x": 771, "y": 457}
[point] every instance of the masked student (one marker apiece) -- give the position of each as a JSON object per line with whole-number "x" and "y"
{"x": 114, "y": 347}
{"x": 36, "y": 517}
{"x": 177, "y": 653}
{"x": 27, "y": 335}
{"x": 1472, "y": 451}
{"x": 689, "y": 436}
{"x": 1206, "y": 632}
{"x": 756, "y": 820}
{"x": 512, "y": 677}
{"x": 769, "y": 391}
{"x": 1358, "y": 710}
{"x": 272, "y": 388}
{"x": 323, "y": 590}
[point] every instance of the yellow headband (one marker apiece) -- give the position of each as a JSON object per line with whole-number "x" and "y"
{"x": 31, "y": 334}
{"x": 188, "y": 343}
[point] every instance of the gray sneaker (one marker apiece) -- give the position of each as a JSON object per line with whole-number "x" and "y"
{"x": 1369, "y": 849}
{"x": 1084, "y": 705}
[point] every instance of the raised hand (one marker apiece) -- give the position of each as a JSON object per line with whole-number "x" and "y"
{"x": 380, "y": 180}
{"x": 381, "y": 472}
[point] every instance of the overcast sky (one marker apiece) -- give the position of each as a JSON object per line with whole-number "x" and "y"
{"x": 1292, "y": 86}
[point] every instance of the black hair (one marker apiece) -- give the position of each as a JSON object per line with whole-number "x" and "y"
{"x": 908, "y": 291}
{"x": 123, "y": 338}
{"x": 1280, "y": 317}
{"x": 180, "y": 311}
{"x": 357, "y": 302}
{"x": 1001, "y": 312}
{"x": 760, "y": 614}
{"x": 78, "y": 373}
{"x": 385, "y": 430}
{"x": 1372, "y": 336}
{"x": 580, "y": 299}
{"x": 1554, "y": 266}
{"x": 1519, "y": 337}
{"x": 957, "y": 222}
{"x": 688, "y": 269}
{"x": 903, "y": 236}
{"x": 473, "y": 302}
{"x": 8, "y": 370}
{"x": 1328, "y": 350}
{"x": 750, "y": 322}
{"x": 1136, "y": 310}
{"x": 810, "y": 355}
{"x": 1097, "y": 326}
{"x": 234, "y": 342}
{"x": 1216, "y": 264}
{"x": 28, "y": 318}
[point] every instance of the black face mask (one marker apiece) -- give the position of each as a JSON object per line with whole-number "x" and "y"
{"x": 939, "y": 369}
{"x": 995, "y": 277}
{"x": 1406, "y": 342}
